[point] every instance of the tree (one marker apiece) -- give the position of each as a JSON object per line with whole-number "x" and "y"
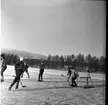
{"x": 88, "y": 60}
{"x": 102, "y": 64}
{"x": 72, "y": 57}
{"x": 102, "y": 60}
{"x": 56, "y": 57}
{"x": 49, "y": 57}
{"x": 61, "y": 60}
{"x": 80, "y": 61}
{"x": 80, "y": 58}
{"x": 69, "y": 60}
{"x": 94, "y": 64}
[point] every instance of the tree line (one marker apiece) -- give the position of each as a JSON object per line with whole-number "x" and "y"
{"x": 95, "y": 64}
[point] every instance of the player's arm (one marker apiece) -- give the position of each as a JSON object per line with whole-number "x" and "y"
{"x": 27, "y": 71}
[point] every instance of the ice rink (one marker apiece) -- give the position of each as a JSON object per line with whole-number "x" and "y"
{"x": 55, "y": 89}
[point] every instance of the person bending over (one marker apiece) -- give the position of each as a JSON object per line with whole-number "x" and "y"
{"x": 19, "y": 69}
{"x": 74, "y": 76}
{"x": 26, "y": 70}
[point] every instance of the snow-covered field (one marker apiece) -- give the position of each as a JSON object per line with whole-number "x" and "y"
{"x": 55, "y": 90}
{"x": 10, "y": 72}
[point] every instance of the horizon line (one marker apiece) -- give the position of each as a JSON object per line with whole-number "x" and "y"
{"x": 53, "y": 54}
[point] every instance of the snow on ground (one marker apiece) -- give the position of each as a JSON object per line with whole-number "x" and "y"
{"x": 10, "y": 72}
{"x": 55, "y": 90}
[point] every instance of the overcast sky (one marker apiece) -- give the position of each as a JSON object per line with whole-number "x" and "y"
{"x": 54, "y": 26}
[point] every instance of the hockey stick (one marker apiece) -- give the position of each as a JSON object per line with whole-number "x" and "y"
{"x": 21, "y": 82}
{"x": 64, "y": 76}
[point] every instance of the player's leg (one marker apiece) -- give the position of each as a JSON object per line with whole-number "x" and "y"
{"x": 14, "y": 81}
{"x": 28, "y": 73}
{"x": 69, "y": 77}
{"x": 17, "y": 84}
{"x": 2, "y": 71}
{"x": 74, "y": 82}
{"x": 42, "y": 76}
{"x": 39, "y": 76}
{"x": 17, "y": 77}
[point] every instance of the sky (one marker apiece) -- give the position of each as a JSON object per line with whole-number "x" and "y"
{"x": 62, "y": 27}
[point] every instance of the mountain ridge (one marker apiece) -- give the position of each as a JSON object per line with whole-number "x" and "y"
{"x": 24, "y": 54}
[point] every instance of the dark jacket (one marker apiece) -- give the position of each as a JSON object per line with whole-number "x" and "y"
{"x": 69, "y": 71}
{"x": 19, "y": 65}
{"x": 26, "y": 67}
{"x": 42, "y": 66}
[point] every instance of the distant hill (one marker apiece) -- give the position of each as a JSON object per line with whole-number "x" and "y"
{"x": 24, "y": 54}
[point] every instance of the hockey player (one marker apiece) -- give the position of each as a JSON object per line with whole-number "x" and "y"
{"x": 3, "y": 66}
{"x": 19, "y": 69}
{"x": 40, "y": 77}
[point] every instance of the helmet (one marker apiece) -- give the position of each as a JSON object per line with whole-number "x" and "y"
{"x": 21, "y": 58}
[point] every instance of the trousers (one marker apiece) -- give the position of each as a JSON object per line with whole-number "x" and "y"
{"x": 40, "y": 78}
{"x": 16, "y": 79}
